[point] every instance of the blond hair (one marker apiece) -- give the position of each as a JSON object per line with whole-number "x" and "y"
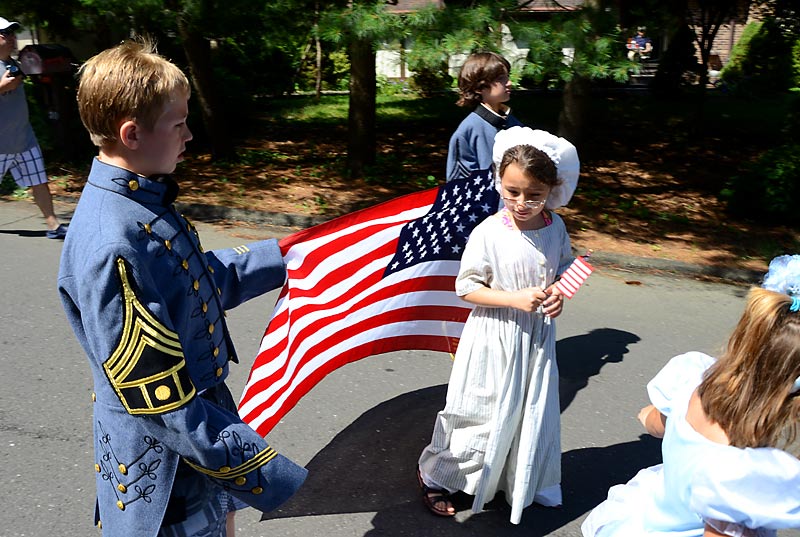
{"x": 478, "y": 73}
{"x": 749, "y": 390}
{"x": 128, "y": 82}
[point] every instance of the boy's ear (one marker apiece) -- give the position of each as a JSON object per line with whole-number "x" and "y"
{"x": 129, "y": 134}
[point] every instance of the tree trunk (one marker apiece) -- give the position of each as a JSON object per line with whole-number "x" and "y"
{"x": 361, "y": 114}
{"x": 198, "y": 55}
{"x": 573, "y": 109}
{"x": 575, "y": 99}
{"x": 712, "y": 14}
{"x": 318, "y": 65}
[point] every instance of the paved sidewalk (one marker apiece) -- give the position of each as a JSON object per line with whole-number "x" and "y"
{"x": 211, "y": 213}
{"x": 281, "y": 224}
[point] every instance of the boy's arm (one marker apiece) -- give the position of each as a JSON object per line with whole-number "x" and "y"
{"x": 462, "y": 157}
{"x": 247, "y": 271}
{"x": 149, "y": 379}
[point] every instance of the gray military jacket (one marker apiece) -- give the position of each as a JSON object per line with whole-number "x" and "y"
{"x": 147, "y": 305}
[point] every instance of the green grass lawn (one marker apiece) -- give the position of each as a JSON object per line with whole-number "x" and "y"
{"x": 721, "y": 115}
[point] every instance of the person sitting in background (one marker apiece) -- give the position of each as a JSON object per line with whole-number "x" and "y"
{"x": 639, "y": 45}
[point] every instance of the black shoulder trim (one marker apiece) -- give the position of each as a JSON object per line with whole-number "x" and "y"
{"x": 147, "y": 369}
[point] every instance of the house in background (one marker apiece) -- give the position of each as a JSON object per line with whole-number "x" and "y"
{"x": 729, "y": 33}
{"x": 390, "y": 59}
{"x": 390, "y": 62}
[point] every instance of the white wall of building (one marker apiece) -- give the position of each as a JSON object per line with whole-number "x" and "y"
{"x": 388, "y": 62}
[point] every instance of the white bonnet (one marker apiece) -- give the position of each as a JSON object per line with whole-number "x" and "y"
{"x": 783, "y": 275}
{"x": 561, "y": 152}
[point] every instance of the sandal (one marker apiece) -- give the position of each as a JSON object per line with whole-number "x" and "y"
{"x": 435, "y": 497}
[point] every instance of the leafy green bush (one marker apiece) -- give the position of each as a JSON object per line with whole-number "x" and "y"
{"x": 253, "y": 69}
{"x": 7, "y": 185}
{"x": 769, "y": 189}
{"x": 761, "y": 62}
{"x": 796, "y": 63}
{"x": 37, "y": 115}
{"x": 791, "y": 130}
{"x": 389, "y": 87}
{"x": 335, "y": 72}
{"x": 733, "y": 69}
{"x": 430, "y": 80}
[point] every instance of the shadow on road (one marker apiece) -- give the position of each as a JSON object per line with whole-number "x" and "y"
{"x": 370, "y": 465}
{"x": 23, "y": 232}
{"x": 587, "y": 475}
{"x": 581, "y": 357}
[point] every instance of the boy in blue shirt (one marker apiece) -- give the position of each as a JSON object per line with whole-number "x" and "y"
{"x": 485, "y": 87}
{"x": 147, "y": 304}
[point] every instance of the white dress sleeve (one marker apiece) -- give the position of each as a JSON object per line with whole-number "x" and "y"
{"x": 754, "y": 487}
{"x": 475, "y": 270}
{"x": 565, "y": 256}
{"x": 680, "y": 376}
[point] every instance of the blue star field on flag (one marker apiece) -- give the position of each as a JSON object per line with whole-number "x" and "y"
{"x": 441, "y": 234}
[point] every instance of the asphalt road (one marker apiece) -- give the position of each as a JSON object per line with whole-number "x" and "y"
{"x": 360, "y": 431}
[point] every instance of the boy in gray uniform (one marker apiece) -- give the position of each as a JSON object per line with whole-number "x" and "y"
{"x": 19, "y": 150}
{"x": 147, "y": 304}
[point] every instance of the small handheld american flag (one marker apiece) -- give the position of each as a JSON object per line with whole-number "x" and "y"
{"x": 572, "y": 278}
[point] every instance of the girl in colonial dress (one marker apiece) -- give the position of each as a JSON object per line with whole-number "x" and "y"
{"x": 500, "y": 428}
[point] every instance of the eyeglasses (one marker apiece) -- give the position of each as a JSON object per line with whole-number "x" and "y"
{"x": 530, "y": 204}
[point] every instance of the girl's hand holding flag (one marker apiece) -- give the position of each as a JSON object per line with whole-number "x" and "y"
{"x": 572, "y": 278}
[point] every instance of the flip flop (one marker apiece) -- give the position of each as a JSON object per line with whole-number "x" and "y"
{"x": 432, "y": 497}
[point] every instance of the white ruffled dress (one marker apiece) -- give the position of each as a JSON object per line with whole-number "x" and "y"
{"x": 500, "y": 428}
{"x": 741, "y": 492}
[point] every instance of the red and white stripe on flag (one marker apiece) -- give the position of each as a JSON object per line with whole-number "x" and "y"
{"x": 572, "y": 278}
{"x": 340, "y": 305}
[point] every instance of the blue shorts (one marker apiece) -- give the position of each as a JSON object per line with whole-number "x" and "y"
{"x": 27, "y": 168}
{"x": 206, "y": 516}
{"x": 199, "y": 506}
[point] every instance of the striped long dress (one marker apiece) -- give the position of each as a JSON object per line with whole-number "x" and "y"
{"x": 501, "y": 427}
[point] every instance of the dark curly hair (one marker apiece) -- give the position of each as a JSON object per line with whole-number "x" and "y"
{"x": 478, "y": 73}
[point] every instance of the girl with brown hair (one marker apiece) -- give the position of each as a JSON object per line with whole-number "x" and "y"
{"x": 726, "y": 425}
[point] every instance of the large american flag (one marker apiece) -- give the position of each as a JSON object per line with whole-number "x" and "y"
{"x": 374, "y": 281}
